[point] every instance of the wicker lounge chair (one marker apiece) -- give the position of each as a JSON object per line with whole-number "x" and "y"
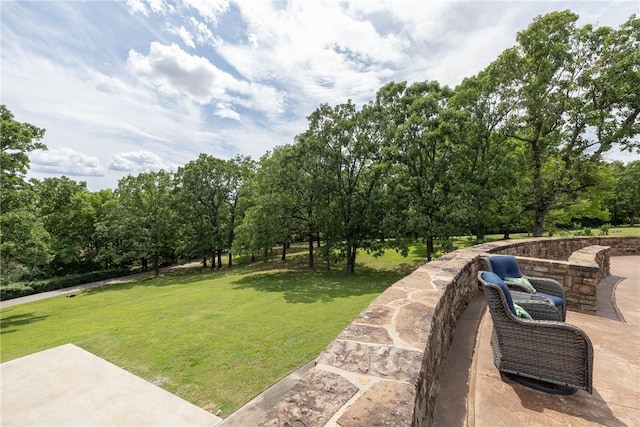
{"x": 506, "y": 266}
{"x": 547, "y": 355}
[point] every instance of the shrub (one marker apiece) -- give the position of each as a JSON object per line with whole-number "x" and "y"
{"x": 21, "y": 289}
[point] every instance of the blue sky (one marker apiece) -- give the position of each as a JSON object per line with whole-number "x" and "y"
{"x": 128, "y": 86}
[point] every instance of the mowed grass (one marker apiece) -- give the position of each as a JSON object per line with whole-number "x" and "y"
{"x": 214, "y": 338}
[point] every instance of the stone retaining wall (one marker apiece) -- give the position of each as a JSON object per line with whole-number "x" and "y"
{"x": 561, "y": 248}
{"x": 385, "y": 367}
{"x": 580, "y": 274}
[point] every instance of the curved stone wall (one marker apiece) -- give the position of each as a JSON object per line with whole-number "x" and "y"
{"x": 384, "y": 368}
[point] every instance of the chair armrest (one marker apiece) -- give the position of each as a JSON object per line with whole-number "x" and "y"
{"x": 548, "y": 286}
{"x": 515, "y": 287}
{"x": 539, "y": 308}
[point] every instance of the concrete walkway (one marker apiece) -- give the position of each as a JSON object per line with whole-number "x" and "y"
{"x": 68, "y": 386}
{"x": 98, "y": 284}
{"x": 615, "y": 334}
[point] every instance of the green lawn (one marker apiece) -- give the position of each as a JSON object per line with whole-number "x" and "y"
{"x": 211, "y": 337}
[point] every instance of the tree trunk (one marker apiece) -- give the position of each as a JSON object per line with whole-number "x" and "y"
{"x": 284, "y": 252}
{"x": 213, "y": 260}
{"x": 230, "y": 259}
{"x": 310, "y": 250}
{"x": 156, "y": 262}
{"x": 204, "y": 262}
{"x": 351, "y": 259}
{"x": 429, "y": 248}
{"x": 219, "y": 254}
{"x": 540, "y": 212}
{"x": 632, "y": 219}
{"x": 538, "y": 226}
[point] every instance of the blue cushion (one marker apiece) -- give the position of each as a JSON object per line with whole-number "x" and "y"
{"x": 557, "y": 301}
{"x": 494, "y": 279}
{"x": 505, "y": 266}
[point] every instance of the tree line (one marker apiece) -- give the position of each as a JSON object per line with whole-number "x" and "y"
{"x": 518, "y": 147}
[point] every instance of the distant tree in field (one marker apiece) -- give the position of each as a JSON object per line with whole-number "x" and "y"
{"x": 240, "y": 170}
{"x": 145, "y": 219}
{"x": 270, "y": 219}
{"x": 208, "y": 191}
{"x": 68, "y": 213}
{"x": 203, "y": 194}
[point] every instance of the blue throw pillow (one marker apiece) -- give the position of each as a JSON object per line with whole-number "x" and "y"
{"x": 557, "y": 301}
{"x": 494, "y": 279}
{"x": 505, "y": 266}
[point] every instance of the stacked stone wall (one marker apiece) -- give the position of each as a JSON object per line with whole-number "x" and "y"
{"x": 385, "y": 367}
{"x": 579, "y": 275}
{"x": 561, "y": 248}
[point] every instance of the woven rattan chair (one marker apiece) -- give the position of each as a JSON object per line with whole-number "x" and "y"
{"x": 547, "y": 355}
{"x": 507, "y": 266}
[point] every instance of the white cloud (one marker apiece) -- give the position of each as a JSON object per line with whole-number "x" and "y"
{"x": 319, "y": 52}
{"x": 65, "y": 161}
{"x": 136, "y": 161}
{"x": 178, "y": 73}
{"x": 184, "y": 34}
{"x": 208, "y": 9}
{"x": 226, "y": 112}
{"x": 145, "y": 7}
{"x": 203, "y": 33}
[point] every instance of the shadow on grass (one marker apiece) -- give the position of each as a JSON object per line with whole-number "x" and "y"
{"x": 195, "y": 274}
{"x": 292, "y": 277}
{"x": 308, "y": 286}
{"x": 9, "y": 323}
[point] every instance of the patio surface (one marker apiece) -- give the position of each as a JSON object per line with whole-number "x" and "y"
{"x": 615, "y": 334}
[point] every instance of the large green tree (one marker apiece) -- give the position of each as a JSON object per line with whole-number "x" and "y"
{"x": 24, "y": 242}
{"x": 417, "y": 134}
{"x": 347, "y": 143}
{"x": 484, "y": 163}
{"x": 570, "y": 103}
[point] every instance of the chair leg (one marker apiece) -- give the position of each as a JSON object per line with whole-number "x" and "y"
{"x": 541, "y": 385}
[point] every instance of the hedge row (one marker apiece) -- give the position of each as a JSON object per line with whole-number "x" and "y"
{"x": 21, "y": 289}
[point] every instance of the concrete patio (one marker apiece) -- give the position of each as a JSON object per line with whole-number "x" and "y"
{"x": 68, "y": 386}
